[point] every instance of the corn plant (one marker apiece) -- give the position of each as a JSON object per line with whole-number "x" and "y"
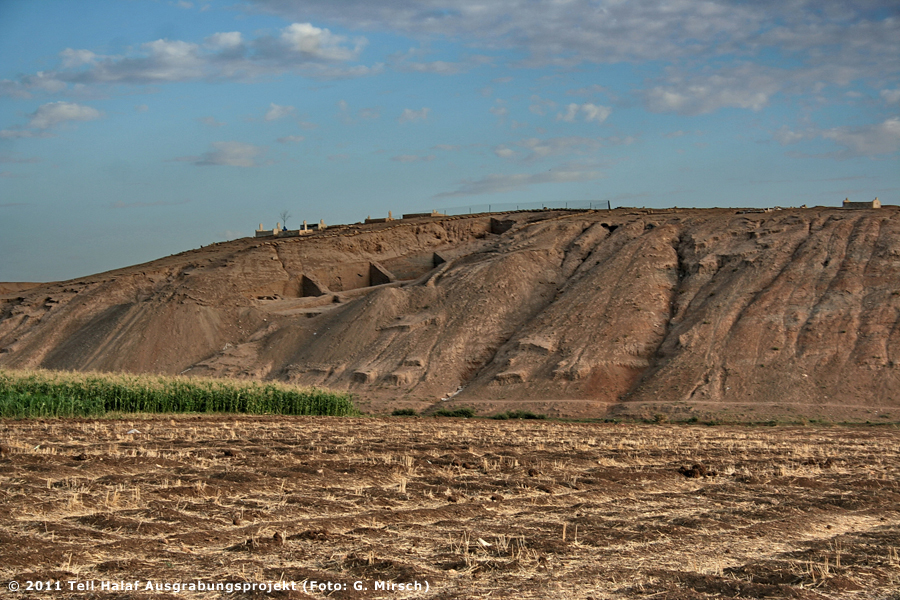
{"x": 66, "y": 394}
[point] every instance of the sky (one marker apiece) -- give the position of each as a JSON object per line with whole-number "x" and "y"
{"x": 135, "y": 129}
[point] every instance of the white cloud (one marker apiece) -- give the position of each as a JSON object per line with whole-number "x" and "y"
{"x": 17, "y": 133}
{"x": 829, "y": 41}
{"x": 227, "y": 39}
{"x": 540, "y": 106}
{"x": 868, "y": 140}
{"x": 746, "y": 87}
{"x": 76, "y": 58}
{"x": 442, "y": 67}
{"x": 591, "y": 112}
{"x": 231, "y": 154}
{"x": 542, "y": 148}
{"x": 497, "y": 183}
{"x": 39, "y": 82}
{"x": 300, "y": 47}
{"x": 890, "y": 96}
{"x": 446, "y": 147}
{"x": 785, "y": 136}
{"x": 407, "y": 62}
{"x": 548, "y": 29}
{"x": 590, "y": 90}
{"x": 618, "y": 140}
{"x": 14, "y": 89}
{"x": 569, "y": 115}
{"x": 210, "y": 121}
{"x": 439, "y": 67}
{"x": 276, "y": 112}
{"x": 499, "y": 109}
{"x": 369, "y": 113}
{"x": 290, "y": 139}
{"x": 363, "y": 114}
{"x": 534, "y": 149}
{"x": 159, "y": 61}
{"x": 871, "y": 140}
{"x": 411, "y": 116}
{"x": 330, "y": 72}
{"x": 856, "y": 40}
{"x": 538, "y": 148}
{"x": 311, "y": 41}
{"x": 408, "y": 158}
{"x": 594, "y": 113}
{"x": 167, "y": 61}
{"x": 54, "y": 113}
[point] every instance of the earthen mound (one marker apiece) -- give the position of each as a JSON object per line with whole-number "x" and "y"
{"x": 716, "y": 312}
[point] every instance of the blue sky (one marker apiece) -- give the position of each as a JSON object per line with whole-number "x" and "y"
{"x": 131, "y": 130}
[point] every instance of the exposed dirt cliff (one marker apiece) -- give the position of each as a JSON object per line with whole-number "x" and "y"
{"x": 791, "y": 312}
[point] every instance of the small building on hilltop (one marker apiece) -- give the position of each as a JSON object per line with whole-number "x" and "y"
{"x": 873, "y": 204}
{"x": 433, "y": 213}
{"x": 266, "y": 232}
{"x": 390, "y": 217}
{"x": 279, "y": 231}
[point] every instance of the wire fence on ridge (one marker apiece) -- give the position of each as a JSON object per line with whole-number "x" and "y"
{"x": 512, "y": 206}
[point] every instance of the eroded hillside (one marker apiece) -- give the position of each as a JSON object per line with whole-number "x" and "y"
{"x": 574, "y": 313}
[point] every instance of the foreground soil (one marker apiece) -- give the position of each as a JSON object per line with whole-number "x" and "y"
{"x": 747, "y": 314}
{"x": 477, "y": 509}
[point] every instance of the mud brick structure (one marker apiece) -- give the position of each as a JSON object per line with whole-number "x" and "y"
{"x": 873, "y": 204}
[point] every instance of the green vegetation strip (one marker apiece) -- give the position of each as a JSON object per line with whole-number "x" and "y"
{"x": 518, "y": 414}
{"x": 25, "y": 394}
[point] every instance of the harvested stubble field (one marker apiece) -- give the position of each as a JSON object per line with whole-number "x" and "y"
{"x": 478, "y": 509}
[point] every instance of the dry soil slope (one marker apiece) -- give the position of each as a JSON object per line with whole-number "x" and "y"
{"x": 578, "y": 313}
{"x": 11, "y": 287}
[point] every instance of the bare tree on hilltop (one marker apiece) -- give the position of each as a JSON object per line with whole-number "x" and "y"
{"x": 284, "y": 215}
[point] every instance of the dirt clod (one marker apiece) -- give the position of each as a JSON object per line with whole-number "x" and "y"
{"x": 696, "y": 471}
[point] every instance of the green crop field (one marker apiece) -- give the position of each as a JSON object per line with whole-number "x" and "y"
{"x": 26, "y": 394}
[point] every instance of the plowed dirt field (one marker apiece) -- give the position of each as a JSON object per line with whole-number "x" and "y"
{"x": 468, "y": 509}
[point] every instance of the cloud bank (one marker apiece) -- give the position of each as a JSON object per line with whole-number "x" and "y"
{"x": 300, "y": 47}
{"x": 228, "y": 154}
{"x": 498, "y": 183}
